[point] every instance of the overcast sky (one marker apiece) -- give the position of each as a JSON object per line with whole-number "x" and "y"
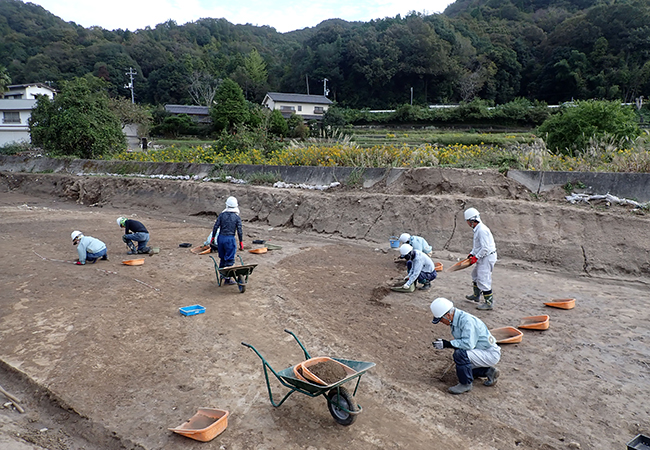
{"x": 286, "y": 15}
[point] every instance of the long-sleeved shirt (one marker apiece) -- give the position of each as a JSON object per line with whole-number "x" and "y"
{"x": 89, "y": 244}
{"x": 421, "y": 263}
{"x": 133, "y": 226}
{"x": 227, "y": 224}
{"x": 483, "y": 241}
{"x": 470, "y": 332}
{"x": 419, "y": 243}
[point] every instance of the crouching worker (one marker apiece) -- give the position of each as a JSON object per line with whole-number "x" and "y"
{"x": 134, "y": 232}
{"x": 89, "y": 248}
{"x": 419, "y": 266}
{"x": 417, "y": 242}
{"x": 475, "y": 350}
{"x": 228, "y": 223}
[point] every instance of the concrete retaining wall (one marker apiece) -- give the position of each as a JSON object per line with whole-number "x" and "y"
{"x": 633, "y": 186}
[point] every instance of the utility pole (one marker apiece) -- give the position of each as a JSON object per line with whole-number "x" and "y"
{"x": 307, "y": 81}
{"x": 325, "y": 90}
{"x": 131, "y": 73}
{"x": 411, "y": 95}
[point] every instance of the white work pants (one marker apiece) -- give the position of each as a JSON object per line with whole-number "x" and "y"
{"x": 482, "y": 273}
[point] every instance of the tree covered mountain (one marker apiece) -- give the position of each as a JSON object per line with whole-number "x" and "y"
{"x": 551, "y": 50}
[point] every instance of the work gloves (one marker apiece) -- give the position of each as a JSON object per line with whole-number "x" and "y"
{"x": 472, "y": 259}
{"x": 241, "y": 246}
{"x": 439, "y": 344}
{"x": 79, "y": 263}
{"x": 406, "y": 286}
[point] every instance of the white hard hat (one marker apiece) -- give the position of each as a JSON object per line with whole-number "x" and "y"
{"x": 440, "y": 307}
{"x": 405, "y": 250}
{"x": 231, "y": 202}
{"x": 404, "y": 237}
{"x": 121, "y": 221}
{"x": 472, "y": 214}
{"x": 76, "y": 234}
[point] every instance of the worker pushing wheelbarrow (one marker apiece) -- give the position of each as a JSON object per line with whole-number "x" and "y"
{"x": 238, "y": 273}
{"x": 320, "y": 376}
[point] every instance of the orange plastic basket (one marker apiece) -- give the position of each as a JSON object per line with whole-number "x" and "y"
{"x": 562, "y": 303}
{"x": 460, "y": 265}
{"x": 134, "y": 262}
{"x": 438, "y": 266}
{"x": 205, "y": 425}
{"x": 259, "y": 250}
{"x": 507, "y": 335}
{"x": 535, "y": 322}
{"x": 305, "y": 365}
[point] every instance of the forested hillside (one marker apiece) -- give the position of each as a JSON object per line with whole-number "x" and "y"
{"x": 551, "y": 50}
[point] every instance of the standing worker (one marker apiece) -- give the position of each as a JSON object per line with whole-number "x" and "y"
{"x": 89, "y": 248}
{"x": 417, "y": 242}
{"x": 475, "y": 350}
{"x": 224, "y": 230}
{"x": 134, "y": 231}
{"x": 420, "y": 267}
{"x": 483, "y": 255}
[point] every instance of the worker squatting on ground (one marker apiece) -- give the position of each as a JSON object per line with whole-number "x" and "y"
{"x": 134, "y": 232}
{"x": 89, "y": 248}
{"x": 224, "y": 229}
{"x": 475, "y": 350}
{"x": 483, "y": 256}
{"x": 420, "y": 267}
{"x": 417, "y": 242}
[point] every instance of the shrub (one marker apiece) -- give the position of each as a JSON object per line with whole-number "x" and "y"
{"x": 569, "y": 132}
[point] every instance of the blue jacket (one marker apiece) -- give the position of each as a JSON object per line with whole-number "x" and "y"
{"x": 470, "y": 332}
{"x": 227, "y": 224}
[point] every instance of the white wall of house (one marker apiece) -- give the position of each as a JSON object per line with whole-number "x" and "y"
{"x": 27, "y": 91}
{"x": 302, "y": 109}
{"x": 14, "y": 120}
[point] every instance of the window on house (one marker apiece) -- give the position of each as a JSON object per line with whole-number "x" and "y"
{"x": 287, "y": 108}
{"x": 10, "y": 117}
{"x": 318, "y": 110}
{"x": 299, "y": 107}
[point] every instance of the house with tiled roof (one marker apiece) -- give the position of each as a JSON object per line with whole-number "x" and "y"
{"x": 16, "y": 108}
{"x": 309, "y": 107}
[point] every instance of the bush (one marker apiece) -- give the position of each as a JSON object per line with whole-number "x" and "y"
{"x": 568, "y": 133}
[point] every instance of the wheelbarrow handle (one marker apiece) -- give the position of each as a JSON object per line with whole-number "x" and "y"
{"x": 246, "y": 345}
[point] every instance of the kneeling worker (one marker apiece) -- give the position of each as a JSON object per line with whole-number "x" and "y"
{"x": 89, "y": 248}
{"x": 417, "y": 242}
{"x": 475, "y": 350}
{"x": 134, "y": 231}
{"x": 420, "y": 267}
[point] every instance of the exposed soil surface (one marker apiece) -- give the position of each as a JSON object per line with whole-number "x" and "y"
{"x": 102, "y": 359}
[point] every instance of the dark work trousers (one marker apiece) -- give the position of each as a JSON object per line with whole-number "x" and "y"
{"x": 227, "y": 248}
{"x": 464, "y": 370}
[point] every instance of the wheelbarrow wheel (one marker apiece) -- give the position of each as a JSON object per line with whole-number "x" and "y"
{"x": 241, "y": 284}
{"x": 341, "y": 398}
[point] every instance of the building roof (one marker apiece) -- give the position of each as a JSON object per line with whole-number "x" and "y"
{"x": 15, "y": 87}
{"x": 299, "y": 98}
{"x": 188, "y": 109}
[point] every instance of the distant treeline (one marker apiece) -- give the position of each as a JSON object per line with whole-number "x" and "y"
{"x": 495, "y": 50}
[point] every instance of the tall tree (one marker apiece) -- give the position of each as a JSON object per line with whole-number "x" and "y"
{"x": 231, "y": 108}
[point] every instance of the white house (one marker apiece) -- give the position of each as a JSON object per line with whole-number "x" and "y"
{"x": 16, "y": 108}
{"x": 309, "y": 107}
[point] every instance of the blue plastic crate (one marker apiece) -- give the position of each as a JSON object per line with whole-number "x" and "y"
{"x": 192, "y": 310}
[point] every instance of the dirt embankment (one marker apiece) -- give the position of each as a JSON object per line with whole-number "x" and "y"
{"x": 593, "y": 241}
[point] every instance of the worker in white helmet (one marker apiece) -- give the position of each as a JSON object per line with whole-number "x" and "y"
{"x": 483, "y": 256}
{"x": 134, "y": 232}
{"x": 88, "y": 248}
{"x": 417, "y": 242}
{"x": 420, "y": 267}
{"x": 228, "y": 223}
{"x": 475, "y": 350}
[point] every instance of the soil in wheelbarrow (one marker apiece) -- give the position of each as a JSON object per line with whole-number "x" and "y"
{"x": 328, "y": 371}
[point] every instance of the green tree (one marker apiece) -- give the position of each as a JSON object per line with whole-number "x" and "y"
{"x": 78, "y": 122}
{"x": 231, "y": 108}
{"x": 568, "y": 132}
{"x": 5, "y": 80}
{"x": 277, "y": 124}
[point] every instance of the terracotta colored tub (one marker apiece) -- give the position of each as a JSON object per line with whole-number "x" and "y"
{"x": 134, "y": 262}
{"x": 205, "y": 425}
{"x": 507, "y": 335}
{"x": 535, "y": 322}
{"x": 562, "y": 303}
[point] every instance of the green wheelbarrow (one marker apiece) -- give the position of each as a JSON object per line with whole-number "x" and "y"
{"x": 238, "y": 273}
{"x": 340, "y": 402}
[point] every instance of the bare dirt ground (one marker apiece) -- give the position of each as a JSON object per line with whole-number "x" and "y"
{"x": 102, "y": 359}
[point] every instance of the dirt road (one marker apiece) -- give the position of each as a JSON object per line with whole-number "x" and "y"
{"x": 105, "y": 360}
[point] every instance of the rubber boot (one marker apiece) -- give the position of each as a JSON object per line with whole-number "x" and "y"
{"x": 460, "y": 388}
{"x": 492, "y": 375}
{"x": 487, "y": 306}
{"x": 476, "y": 296}
{"x": 425, "y": 286}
